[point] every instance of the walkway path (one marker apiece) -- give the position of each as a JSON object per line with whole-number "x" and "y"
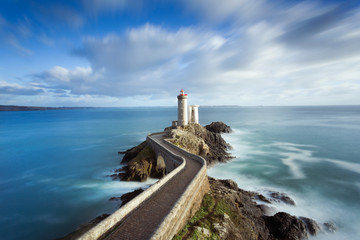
{"x": 144, "y": 220}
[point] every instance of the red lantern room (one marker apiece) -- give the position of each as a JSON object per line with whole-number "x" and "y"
{"x": 182, "y": 93}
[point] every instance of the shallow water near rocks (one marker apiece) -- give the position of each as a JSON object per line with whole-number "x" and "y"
{"x": 53, "y": 164}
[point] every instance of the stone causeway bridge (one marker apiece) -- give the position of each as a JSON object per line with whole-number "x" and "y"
{"x": 164, "y": 208}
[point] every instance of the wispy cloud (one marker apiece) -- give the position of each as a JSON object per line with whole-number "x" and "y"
{"x": 247, "y": 52}
{"x": 17, "y": 89}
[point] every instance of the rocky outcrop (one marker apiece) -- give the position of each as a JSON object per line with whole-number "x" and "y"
{"x": 127, "y": 197}
{"x": 228, "y": 212}
{"x": 218, "y": 127}
{"x": 312, "y": 227}
{"x": 199, "y": 140}
{"x": 140, "y": 161}
{"x": 140, "y": 164}
{"x": 283, "y": 226}
{"x": 276, "y": 197}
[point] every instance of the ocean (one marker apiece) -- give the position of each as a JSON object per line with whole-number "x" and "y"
{"x": 54, "y": 165}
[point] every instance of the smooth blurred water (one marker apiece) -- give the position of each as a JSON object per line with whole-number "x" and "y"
{"x": 53, "y": 164}
{"x": 310, "y": 153}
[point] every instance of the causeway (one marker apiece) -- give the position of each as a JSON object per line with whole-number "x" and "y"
{"x": 144, "y": 221}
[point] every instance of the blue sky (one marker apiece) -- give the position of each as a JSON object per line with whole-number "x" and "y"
{"x": 141, "y": 53}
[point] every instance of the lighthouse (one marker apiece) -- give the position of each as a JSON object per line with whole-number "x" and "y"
{"x": 182, "y": 109}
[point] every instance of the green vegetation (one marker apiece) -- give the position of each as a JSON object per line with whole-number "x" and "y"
{"x": 212, "y": 211}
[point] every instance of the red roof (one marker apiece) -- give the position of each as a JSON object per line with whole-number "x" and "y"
{"x": 182, "y": 93}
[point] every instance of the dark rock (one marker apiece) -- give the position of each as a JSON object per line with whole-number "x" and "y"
{"x": 127, "y": 197}
{"x": 141, "y": 164}
{"x": 311, "y": 225}
{"x": 282, "y": 197}
{"x": 217, "y": 145}
{"x": 262, "y": 198}
{"x": 115, "y": 199}
{"x": 266, "y": 210}
{"x": 218, "y": 127}
{"x": 132, "y": 152}
{"x": 230, "y": 184}
{"x": 330, "y": 227}
{"x": 115, "y": 176}
{"x": 283, "y": 226}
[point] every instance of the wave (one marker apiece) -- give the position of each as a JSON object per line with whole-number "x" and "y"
{"x": 353, "y": 167}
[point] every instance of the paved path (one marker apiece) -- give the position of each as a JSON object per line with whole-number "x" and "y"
{"x": 144, "y": 220}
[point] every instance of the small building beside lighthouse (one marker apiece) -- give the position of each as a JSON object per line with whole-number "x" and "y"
{"x": 193, "y": 115}
{"x": 186, "y": 115}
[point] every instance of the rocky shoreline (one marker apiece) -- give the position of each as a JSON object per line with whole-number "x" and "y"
{"x": 140, "y": 161}
{"x": 227, "y": 211}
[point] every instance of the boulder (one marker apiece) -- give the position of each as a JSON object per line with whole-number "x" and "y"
{"x": 267, "y": 210}
{"x": 311, "y": 225}
{"x": 283, "y": 197}
{"x": 283, "y": 226}
{"x": 218, "y": 127}
{"x": 127, "y": 197}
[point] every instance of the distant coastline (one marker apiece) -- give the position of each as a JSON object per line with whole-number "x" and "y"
{"x": 30, "y": 108}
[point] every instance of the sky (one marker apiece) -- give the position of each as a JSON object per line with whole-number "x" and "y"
{"x": 116, "y": 53}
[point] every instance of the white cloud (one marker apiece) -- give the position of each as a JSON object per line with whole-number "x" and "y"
{"x": 140, "y": 48}
{"x": 79, "y": 80}
{"x": 268, "y": 54}
{"x": 7, "y": 88}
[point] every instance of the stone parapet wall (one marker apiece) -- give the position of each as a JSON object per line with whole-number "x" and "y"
{"x": 185, "y": 207}
{"x": 188, "y": 203}
{"x": 172, "y": 161}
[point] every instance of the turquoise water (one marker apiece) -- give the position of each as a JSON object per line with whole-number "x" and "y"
{"x": 53, "y": 164}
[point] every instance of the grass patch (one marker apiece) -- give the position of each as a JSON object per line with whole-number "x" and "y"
{"x": 211, "y": 211}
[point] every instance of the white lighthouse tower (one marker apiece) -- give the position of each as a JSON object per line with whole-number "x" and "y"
{"x": 182, "y": 109}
